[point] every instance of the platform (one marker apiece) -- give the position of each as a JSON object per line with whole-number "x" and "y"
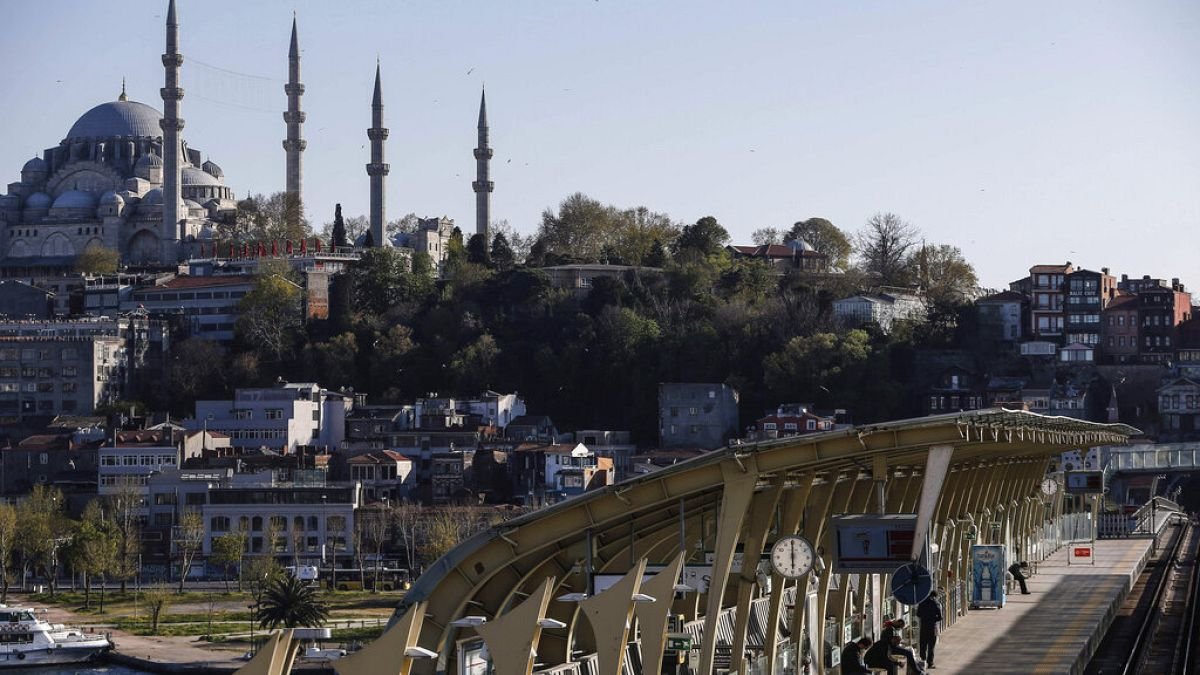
{"x": 1056, "y": 629}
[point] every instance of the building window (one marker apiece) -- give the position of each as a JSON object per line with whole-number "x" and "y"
{"x": 219, "y": 524}
{"x": 274, "y": 413}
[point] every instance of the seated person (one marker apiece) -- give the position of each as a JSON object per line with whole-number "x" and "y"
{"x": 880, "y": 655}
{"x": 893, "y": 629}
{"x": 852, "y": 657}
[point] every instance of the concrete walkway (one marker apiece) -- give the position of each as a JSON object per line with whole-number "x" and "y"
{"x": 1056, "y": 629}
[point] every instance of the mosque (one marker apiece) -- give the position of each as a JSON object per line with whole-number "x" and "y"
{"x": 125, "y": 179}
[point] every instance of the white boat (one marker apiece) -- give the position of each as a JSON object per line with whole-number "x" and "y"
{"x": 26, "y": 640}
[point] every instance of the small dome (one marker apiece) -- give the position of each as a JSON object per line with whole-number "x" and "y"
{"x": 154, "y": 196}
{"x": 188, "y": 203}
{"x": 111, "y": 198}
{"x": 148, "y": 160}
{"x": 210, "y": 167}
{"x": 75, "y": 199}
{"x": 801, "y": 245}
{"x": 193, "y": 176}
{"x": 38, "y": 200}
{"x": 35, "y": 165}
{"x": 118, "y": 119}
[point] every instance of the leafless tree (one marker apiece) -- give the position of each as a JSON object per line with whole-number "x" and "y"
{"x": 883, "y": 248}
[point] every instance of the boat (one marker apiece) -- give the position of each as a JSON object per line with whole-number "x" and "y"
{"x": 26, "y": 640}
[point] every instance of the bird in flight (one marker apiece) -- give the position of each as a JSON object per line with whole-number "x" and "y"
{"x": 470, "y": 71}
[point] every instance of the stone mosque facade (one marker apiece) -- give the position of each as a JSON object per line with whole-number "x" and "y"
{"x": 122, "y": 178}
{"x": 125, "y": 179}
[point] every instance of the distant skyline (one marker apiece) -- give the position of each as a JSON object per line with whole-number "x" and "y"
{"x": 1021, "y": 132}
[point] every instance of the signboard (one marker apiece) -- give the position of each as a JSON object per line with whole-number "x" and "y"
{"x": 1085, "y": 482}
{"x": 987, "y": 575}
{"x": 1083, "y": 552}
{"x": 873, "y": 544}
{"x": 1080, "y": 554}
{"x": 679, "y": 643}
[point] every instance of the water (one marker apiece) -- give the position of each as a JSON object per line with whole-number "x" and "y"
{"x": 79, "y": 670}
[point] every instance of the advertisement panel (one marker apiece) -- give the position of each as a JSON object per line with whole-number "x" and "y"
{"x": 872, "y": 544}
{"x": 987, "y": 573}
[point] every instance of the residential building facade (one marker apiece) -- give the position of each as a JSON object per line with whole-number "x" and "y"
{"x": 696, "y": 415}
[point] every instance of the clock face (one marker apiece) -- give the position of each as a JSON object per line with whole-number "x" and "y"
{"x": 792, "y": 556}
{"x": 1049, "y": 487}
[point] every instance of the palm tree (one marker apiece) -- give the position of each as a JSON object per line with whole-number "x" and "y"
{"x": 290, "y": 603}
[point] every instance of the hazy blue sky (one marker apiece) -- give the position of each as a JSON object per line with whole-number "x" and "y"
{"x": 1022, "y": 132}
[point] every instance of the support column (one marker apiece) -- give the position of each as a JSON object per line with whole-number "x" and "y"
{"x": 793, "y": 509}
{"x": 513, "y": 638}
{"x": 652, "y": 616}
{"x": 391, "y": 652}
{"x": 740, "y": 479}
{"x": 610, "y": 614}
{"x": 762, "y": 513}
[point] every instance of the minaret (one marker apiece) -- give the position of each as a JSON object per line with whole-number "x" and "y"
{"x": 483, "y": 186}
{"x": 294, "y": 144}
{"x": 377, "y": 169}
{"x": 171, "y": 126}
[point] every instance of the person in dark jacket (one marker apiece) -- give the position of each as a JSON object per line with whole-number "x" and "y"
{"x": 852, "y": 657}
{"x": 1017, "y": 570}
{"x": 930, "y": 614}
{"x": 880, "y": 655}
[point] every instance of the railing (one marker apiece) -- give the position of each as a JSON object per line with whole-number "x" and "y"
{"x": 1155, "y": 457}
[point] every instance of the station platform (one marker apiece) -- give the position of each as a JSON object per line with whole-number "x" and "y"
{"x": 1057, "y": 628}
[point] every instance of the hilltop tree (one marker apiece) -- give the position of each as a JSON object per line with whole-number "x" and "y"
{"x": 97, "y": 259}
{"x": 477, "y": 250}
{"x": 884, "y": 245}
{"x": 269, "y": 315}
{"x": 706, "y": 238}
{"x": 502, "y": 254}
{"x": 265, "y": 218}
{"x": 337, "y": 238}
{"x": 765, "y": 236}
{"x": 825, "y": 237}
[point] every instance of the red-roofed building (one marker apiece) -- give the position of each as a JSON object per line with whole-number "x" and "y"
{"x": 384, "y": 474}
{"x": 209, "y": 304}
{"x": 793, "y": 256}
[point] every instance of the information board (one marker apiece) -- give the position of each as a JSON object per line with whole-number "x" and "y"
{"x": 1085, "y": 482}
{"x": 872, "y": 544}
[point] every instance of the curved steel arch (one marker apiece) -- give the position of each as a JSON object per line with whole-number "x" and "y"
{"x": 488, "y": 572}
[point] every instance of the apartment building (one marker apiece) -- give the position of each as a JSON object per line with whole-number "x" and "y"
{"x": 282, "y": 417}
{"x": 61, "y": 367}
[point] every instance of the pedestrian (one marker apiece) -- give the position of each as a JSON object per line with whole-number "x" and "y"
{"x": 930, "y": 614}
{"x": 852, "y": 657}
{"x": 894, "y": 629}
{"x": 1017, "y": 570}
{"x": 880, "y": 655}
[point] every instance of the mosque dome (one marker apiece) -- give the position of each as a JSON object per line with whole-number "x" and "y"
{"x": 38, "y": 200}
{"x": 210, "y": 167}
{"x": 153, "y": 197}
{"x": 111, "y": 198}
{"x": 37, "y": 164}
{"x": 192, "y": 205}
{"x": 193, "y": 176}
{"x": 118, "y": 119}
{"x": 75, "y": 199}
{"x": 801, "y": 245}
{"x": 148, "y": 160}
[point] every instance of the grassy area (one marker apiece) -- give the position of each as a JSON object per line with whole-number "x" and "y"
{"x": 360, "y": 634}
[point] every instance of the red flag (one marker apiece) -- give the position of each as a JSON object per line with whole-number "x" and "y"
{"x": 318, "y": 245}
{"x": 303, "y": 247}
{"x": 262, "y": 250}
{"x": 289, "y": 246}
{"x": 232, "y": 250}
{"x": 274, "y": 247}
{"x": 246, "y": 250}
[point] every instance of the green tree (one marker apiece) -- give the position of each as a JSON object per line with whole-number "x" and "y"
{"x": 8, "y": 544}
{"x": 477, "y": 250}
{"x": 42, "y": 531}
{"x": 944, "y": 274}
{"x": 337, "y": 238}
{"x": 156, "y": 598}
{"x": 259, "y": 571}
{"x": 290, "y": 603}
{"x": 121, "y": 508}
{"x": 228, "y": 551}
{"x": 474, "y": 365}
{"x": 808, "y": 365}
{"x": 189, "y": 540}
{"x": 94, "y": 549}
{"x": 502, "y": 254}
{"x": 884, "y": 245}
{"x": 265, "y": 218}
{"x": 705, "y": 238}
{"x": 636, "y": 234}
{"x": 196, "y": 371}
{"x": 825, "y": 237}
{"x": 97, "y": 259}
{"x": 333, "y": 361}
{"x": 765, "y": 236}
{"x": 270, "y": 315}
{"x": 580, "y": 229}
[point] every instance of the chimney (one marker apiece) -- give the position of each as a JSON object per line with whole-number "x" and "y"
{"x": 1124, "y": 278}
{"x": 1104, "y": 270}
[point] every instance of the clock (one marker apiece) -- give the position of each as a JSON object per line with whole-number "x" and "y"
{"x": 792, "y": 556}
{"x": 911, "y": 583}
{"x": 1049, "y": 487}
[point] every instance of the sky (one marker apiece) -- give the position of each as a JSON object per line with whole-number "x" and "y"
{"x": 1022, "y": 132}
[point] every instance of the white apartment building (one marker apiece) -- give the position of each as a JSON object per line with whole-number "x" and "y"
{"x": 279, "y": 418}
